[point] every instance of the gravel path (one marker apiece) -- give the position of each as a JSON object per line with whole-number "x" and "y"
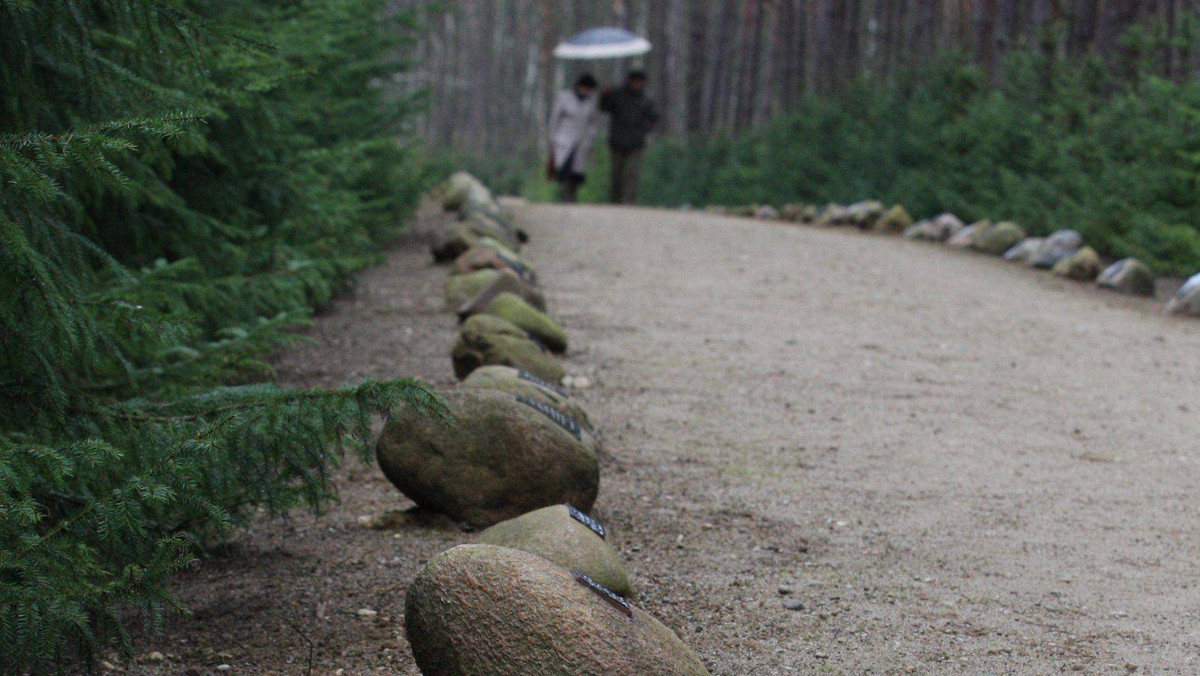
{"x": 829, "y": 453}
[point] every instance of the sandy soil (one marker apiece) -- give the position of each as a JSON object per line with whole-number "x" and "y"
{"x": 944, "y": 463}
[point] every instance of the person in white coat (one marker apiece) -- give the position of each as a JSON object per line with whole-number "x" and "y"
{"x": 574, "y": 124}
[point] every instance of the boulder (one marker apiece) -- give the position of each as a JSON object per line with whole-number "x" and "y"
{"x": 479, "y": 199}
{"x": 482, "y": 225}
{"x": 767, "y": 213}
{"x": 518, "y": 382}
{"x": 479, "y": 609}
{"x": 508, "y": 218}
{"x": 1082, "y": 266}
{"x": 502, "y": 281}
{"x": 1023, "y": 250}
{"x": 566, "y": 536}
{"x": 451, "y": 242}
{"x": 833, "y": 214}
{"x": 998, "y": 239}
{"x": 500, "y": 458}
{"x": 894, "y": 221}
{"x": 1128, "y": 276}
{"x": 460, "y": 289}
{"x": 483, "y": 325}
{"x": 483, "y": 258}
{"x": 965, "y": 237}
{"x": 944, "y": 226}
{"x": 798, "y": 213}
{"x": 511, "y": 307}
{"x": 864, "y": 214}
{"x": 456, "y": 188}
{"x": 1059, "y": 245}
{"x": 918, "y": 231}
{"x": 487, "y": 340}
{"x": 511, "y": 259}
{"x": 1187, "y": 300}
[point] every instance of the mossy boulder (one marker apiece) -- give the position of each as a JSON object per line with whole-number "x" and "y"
{"x": 481, "y": 200}
{"x": 503, "y": 281}
{"x": 511, "y": 307}
{"x": 1082, "y": 266}
{"x": 798, "y": 213}
{"x": 511, "y": 258}
{"x": 944, "y": 226}
{"x": 1128, "y": 276}
{"x": 965, "y": 238}
{"x": 833, "y": 214}
{"x": 518, "y": 382}
{"x": 894, "y": 221}
{"x": 499, "y": 459}
{"x": 1186, "y": 301}
{"x": 451, "y": 242}
{"x": 554, "y": 534}
{"x": 998, "y": 239}
{"x": 864, "y": 214}
{"x": 456, "y": 188}
{"x": 460, "y": 289}
{"x": 487, "y": 340}
{"x": 766, "y": 212}
{"x": 1023, "y": 250}
{"x": 1058, "y": 245}
{"x": 917, "y": 231}
{"x": 482, "y": 225}
{"x": 482, "y": 258}
{"x": 477, "y": 326}
{"x": 480, "y": 609}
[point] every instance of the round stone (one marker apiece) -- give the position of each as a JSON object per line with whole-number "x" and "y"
{"x": 561, "y": 535}
{"x": 479, "y": 609}
{"x": 499, "y": 459}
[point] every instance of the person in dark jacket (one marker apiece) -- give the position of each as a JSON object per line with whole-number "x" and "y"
{"x": 633, "y": 116}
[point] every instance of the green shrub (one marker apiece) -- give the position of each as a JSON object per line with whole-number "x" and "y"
{"x": 183, "y": 183}
{"x": 1050, "y": 147}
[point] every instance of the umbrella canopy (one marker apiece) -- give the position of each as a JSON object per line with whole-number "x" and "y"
{"x": 607, "y": 42}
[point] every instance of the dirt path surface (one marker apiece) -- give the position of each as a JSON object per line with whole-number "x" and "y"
{"x": 946, "y": 464}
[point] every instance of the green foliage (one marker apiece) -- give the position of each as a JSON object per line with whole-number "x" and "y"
{"x": 1051, "y": 146}
{"x": 182, "y": 183}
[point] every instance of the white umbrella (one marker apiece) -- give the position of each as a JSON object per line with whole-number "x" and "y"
{"x": 606, "y": 42}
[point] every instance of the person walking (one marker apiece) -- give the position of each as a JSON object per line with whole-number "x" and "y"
{"x": 633, "y": 117}
{"x": 574, "y": 123}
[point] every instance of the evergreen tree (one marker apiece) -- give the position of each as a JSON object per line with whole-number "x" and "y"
{"x": 180, "y": 184}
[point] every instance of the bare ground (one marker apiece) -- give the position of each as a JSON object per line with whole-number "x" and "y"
{"x": 952, "y": 464}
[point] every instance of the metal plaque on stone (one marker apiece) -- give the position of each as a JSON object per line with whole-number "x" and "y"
{"x": 554, "y": 414}
{"x": 529, "y": 377}
{"x": 586, "y": 520}
{"x": 610, "y": 597}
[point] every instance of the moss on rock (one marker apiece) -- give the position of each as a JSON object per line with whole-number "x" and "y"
{"x": 553, "y": 534}
{"x": 500, "y": 458}
{"x": 514, "y": 381}
{"x": 512, "y": 308}
{"x": 490, "y": 340}
{"x": 998, "y": 239}
{"x": 460, "y": 289}
{"x": 1082, "y": 266}
{"x": 894, "y": 221}
{"x": 1128, "y": 276}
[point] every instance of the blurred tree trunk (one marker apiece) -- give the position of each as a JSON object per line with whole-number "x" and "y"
{"x": 731, "y": 64}
{"x": 697, "y": 67}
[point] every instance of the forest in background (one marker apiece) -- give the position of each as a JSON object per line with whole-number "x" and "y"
{"x": 733, "y": 64}
{"x": 1057, "y": 113}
